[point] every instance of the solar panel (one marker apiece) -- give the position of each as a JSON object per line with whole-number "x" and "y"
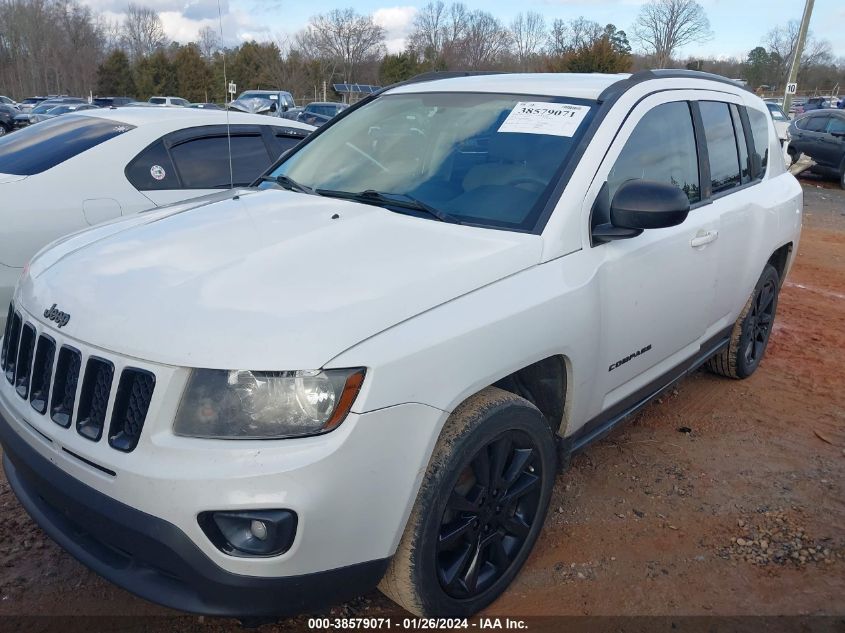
{"x": 355, "y": 88}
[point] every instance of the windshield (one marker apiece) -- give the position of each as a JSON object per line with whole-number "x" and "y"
{"x": 43, "y": 108}
{"x": 62, "y": 109}
{"x": 325, "y": 110}
{"x": 777, "y": 113}
{"x": 259, "y": 95}
{"x": 486, "y": 159}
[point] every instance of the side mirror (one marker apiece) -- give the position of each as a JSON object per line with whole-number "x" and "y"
{"x": 643, "y": 204}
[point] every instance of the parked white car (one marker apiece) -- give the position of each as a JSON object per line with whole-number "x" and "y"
{"x": 370, "y": 372}
{"x": 781, "y": 122}
{"x": 80, "y": 169}
{"x": 169, "y": 102}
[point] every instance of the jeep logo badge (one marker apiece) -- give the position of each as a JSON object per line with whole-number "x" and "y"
{"x": 53, "y": 314}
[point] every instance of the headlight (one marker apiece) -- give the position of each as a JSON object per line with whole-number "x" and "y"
{"x": 266, "y": 405}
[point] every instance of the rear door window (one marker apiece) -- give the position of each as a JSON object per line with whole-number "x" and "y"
{"x": 836, "y": 126}
{"x": 721, "y": 145}
{"x": 285, "y": 139}
{"x": 661, "y": 148}
{"x": 37, "y": 148}
{"x": 203, "y": 163}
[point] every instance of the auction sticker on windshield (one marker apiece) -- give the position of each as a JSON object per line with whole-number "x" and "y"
{"x": 538, "y": 117}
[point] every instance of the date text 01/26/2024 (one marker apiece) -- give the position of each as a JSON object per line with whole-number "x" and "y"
{"x": 416, "y": 624}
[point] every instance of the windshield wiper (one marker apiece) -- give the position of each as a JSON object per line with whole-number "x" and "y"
{"x": 288, "y": 183}
{"x": 401, "y": 200}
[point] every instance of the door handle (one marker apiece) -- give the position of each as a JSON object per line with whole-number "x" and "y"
{"x": 703, "y": 238}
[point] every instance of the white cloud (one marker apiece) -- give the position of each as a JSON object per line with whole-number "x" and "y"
{"x": 397, "y": 23}
{"x": 237, "y": 27}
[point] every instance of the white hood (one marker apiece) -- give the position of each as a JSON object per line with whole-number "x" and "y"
{"x": 269, "y": 281}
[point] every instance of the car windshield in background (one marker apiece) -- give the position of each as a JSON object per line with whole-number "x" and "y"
{"x": 63, "y": 109}
{"x": 41, "y": 147}
{"x": 481, "y": 158}
{"x": 328, "y": 111}
{"x": 44, "y": 108}
{"x": 259, "y": 95}
{"x": 777, "y": 113}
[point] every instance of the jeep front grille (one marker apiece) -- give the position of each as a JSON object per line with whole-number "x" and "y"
{"x": 94, "y": 400}
{"x": 26, "y": 349}
{"x": 42, "y": 372}
{"x": 48, "y": 374}
{"x": 64, "y": 386}
{"x": 14, "y": 337}
{"x": 131, "y": 403}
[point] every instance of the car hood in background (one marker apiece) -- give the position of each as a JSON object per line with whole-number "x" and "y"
{"x": 253, "y": 105}
{"x": 268, "y": 281}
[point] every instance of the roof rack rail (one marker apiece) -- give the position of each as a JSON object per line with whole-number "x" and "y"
{"x": 661, "y": 73}
{"x": 434, "y": 75}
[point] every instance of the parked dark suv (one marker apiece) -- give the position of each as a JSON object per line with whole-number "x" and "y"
{"x": 7, "y": 118}
{"x": 821, "y": 136}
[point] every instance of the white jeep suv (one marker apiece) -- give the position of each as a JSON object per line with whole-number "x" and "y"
{"x": 369, "y": 372}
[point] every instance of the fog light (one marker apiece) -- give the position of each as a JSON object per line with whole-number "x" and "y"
{"x": 250, "y": 532}
{"x": 259, "y": 530}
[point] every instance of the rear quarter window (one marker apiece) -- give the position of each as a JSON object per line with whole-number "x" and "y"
{"x": 152, "y": 170}
{"x": 38, "y": 148}
{"x": 760, "y": 135}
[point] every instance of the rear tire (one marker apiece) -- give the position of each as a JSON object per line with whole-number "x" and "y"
{"x": 479, "y": 510}
{"x": 750, "y": 335}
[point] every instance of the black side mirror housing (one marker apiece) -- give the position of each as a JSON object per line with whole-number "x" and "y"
{"x": 639, "y": 205}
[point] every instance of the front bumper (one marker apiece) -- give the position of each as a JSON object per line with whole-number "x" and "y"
{"x": 153, "y": 558}
{"x": 352, "y": 490}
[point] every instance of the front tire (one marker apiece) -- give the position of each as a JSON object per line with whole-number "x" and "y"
{"x": 479, "y": 510}
{"x": 750, "y": 335}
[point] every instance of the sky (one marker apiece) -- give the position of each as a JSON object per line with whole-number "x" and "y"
{"x": 737, "y": 25}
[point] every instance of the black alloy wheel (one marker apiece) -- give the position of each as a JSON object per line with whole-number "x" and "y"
{"x": 758, "y": 323}
{"x": 489, "y": 515}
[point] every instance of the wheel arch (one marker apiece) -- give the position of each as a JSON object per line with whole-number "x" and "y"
{"x": 781, "y": 259}
{"x": 545, "y": 384}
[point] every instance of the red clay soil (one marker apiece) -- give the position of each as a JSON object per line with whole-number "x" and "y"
{"x": 721, "y": 498}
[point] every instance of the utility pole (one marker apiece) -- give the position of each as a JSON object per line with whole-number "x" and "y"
{"x": 799, "y": 50}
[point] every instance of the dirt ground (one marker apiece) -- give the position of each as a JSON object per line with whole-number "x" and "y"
{"x": 722, "y": 498}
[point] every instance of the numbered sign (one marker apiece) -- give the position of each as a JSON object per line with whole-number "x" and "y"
{"x": 539, "y": 117}
{"x": 232, "y": 88}
{"x": 791, "y": 89}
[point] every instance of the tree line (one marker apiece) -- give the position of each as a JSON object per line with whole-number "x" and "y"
{"x": 62, "y": 46}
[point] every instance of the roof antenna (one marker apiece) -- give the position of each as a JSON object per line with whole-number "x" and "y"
{"x": 226, "y": 96}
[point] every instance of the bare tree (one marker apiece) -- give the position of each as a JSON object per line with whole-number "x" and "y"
{"x": 48, "y": 46}
{"x": 664, "y": 26}
{"x": 528, "y": 33}
{"x": 781, "y": 42}
{"x": 579, "y": 33}
{"x": 142, "y": 31}
{"x": 208, "y": 42}
{"x": 343, "y": 37}
{"x": 429, "y": 30}
{"x": 485, "y": 42}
